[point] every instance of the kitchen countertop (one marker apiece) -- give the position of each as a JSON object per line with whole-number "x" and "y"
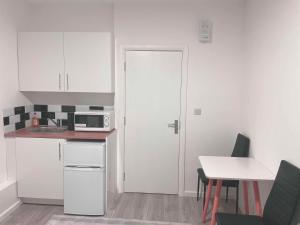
{"x": 69, "y": 135}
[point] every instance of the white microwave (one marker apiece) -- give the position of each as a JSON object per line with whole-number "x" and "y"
{"x": 94, "y": 121}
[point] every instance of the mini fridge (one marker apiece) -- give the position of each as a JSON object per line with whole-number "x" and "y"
{"x": 84, "y": 178}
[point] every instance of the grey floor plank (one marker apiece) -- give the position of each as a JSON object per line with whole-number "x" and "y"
{"x": 128, "y": 205}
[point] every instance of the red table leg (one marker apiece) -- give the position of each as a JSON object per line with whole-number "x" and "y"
{"x": 257, "y": 198}
{"x": 246, "y": 200}
{"x": 207, "y": 199}
{"x": 216, "y": 202}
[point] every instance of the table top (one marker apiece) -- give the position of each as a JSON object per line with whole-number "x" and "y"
{"x": 235, "y": 168}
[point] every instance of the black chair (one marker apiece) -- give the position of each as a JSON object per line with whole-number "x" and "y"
{"x": 281, "y": 203}
{"x": 241, "y": 149}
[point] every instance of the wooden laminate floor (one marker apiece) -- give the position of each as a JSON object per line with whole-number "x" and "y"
{"x": 130, "y": 206}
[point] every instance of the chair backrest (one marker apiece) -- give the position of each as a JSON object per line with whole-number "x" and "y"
{"x": 241, "y": 147}
{"x": 282, "y": 201}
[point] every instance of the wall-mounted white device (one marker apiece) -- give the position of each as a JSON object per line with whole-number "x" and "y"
{"x": 205, "y": 31}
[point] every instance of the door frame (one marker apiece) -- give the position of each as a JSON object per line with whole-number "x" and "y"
{"x": 120, "y": 108}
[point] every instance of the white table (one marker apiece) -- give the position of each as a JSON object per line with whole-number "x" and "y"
{"x": 233, "y": 168}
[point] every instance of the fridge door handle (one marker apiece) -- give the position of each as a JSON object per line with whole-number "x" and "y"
{"x": 83, "y": 166}
{"x": 83, "y": 169}
{"x": 68, "y": 86}
{"x": 59, "y": 151}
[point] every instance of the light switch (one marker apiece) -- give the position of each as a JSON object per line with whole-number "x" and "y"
{"x": 197, "y": 112}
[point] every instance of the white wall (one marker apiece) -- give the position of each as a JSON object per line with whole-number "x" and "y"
{"x": 214, "y": 70}
{"x": 272, "y": 98}
{"x": 11, "y": 12}
{"x": 52, "y": 98}
{"x": 272, "y": 94}
{"x": 69, "y": 16}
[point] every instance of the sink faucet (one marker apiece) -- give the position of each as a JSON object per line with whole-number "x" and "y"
{"x": 57, "y": 124}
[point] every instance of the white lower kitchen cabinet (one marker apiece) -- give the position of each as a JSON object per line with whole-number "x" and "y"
{"x": 40, "y": 168}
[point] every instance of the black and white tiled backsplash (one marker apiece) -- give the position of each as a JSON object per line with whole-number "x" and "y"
{"x": 20, "y": 117}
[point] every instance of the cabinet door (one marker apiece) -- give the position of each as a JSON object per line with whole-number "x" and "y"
{"x": 39, "y": 168}
{"x": 88, "y": 62}
{"x": 41, "y": 61}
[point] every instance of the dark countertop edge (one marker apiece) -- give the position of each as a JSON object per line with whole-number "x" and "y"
{"x": 67, "y": 135}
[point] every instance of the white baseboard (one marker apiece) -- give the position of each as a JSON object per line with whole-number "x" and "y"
{"x": 190, "y": 194}
{"x": 8, "y": 198}
{"x": 42, "y": 201}
{"x": 8, "y": 211}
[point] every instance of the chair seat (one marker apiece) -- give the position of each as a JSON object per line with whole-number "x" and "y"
{"x": 234, "y": 219}
{"x": 227, "y": 183}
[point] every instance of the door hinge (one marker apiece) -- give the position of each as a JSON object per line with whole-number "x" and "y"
{"x": 125, "y": 65}
{"x": 124, "y": 176}
{"x": 124, "y": 121}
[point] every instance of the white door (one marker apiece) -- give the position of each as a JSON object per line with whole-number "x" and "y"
{"x": 88, "y": 62}
{"x": 39, "y": 168}
{"x": 41, "y": 61}
{"x": 153, "y": 83}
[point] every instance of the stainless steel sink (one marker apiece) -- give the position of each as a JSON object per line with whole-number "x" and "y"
{"x": 47, "y": 129}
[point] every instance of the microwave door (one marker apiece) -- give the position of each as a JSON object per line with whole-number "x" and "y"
{"x": 89, "y": 121}
{"x": 95, "y": 121}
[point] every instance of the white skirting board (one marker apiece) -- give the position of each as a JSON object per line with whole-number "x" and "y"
{"x": 8, "y": 198}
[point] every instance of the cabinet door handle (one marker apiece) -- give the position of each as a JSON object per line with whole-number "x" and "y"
{"x": 59, "y": 151}
{"x": 59, "y": 77}
{"x": 67, "y": 81}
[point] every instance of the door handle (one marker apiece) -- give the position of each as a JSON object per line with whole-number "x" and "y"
{"x": 174, "y": 125}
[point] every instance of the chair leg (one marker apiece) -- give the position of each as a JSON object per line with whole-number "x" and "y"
{"x": 246, "y": 197}
{"x": 204, "y": 194}
{"x": 227, "y": 188}
{"x": 198, "y": 186}
{"x": 237, "y": 200}
{"x": 257, "y": 198}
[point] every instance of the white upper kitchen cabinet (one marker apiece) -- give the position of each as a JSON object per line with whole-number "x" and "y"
{"x": 41, "y": 61}
{"x": 88, "y": 62}
{"x": 65, "y": 62}
{"x": 40, "y": 168}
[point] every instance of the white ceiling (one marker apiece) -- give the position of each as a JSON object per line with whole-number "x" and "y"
{"x": 57, "y": 1}
{"x": 101, "y": 1}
